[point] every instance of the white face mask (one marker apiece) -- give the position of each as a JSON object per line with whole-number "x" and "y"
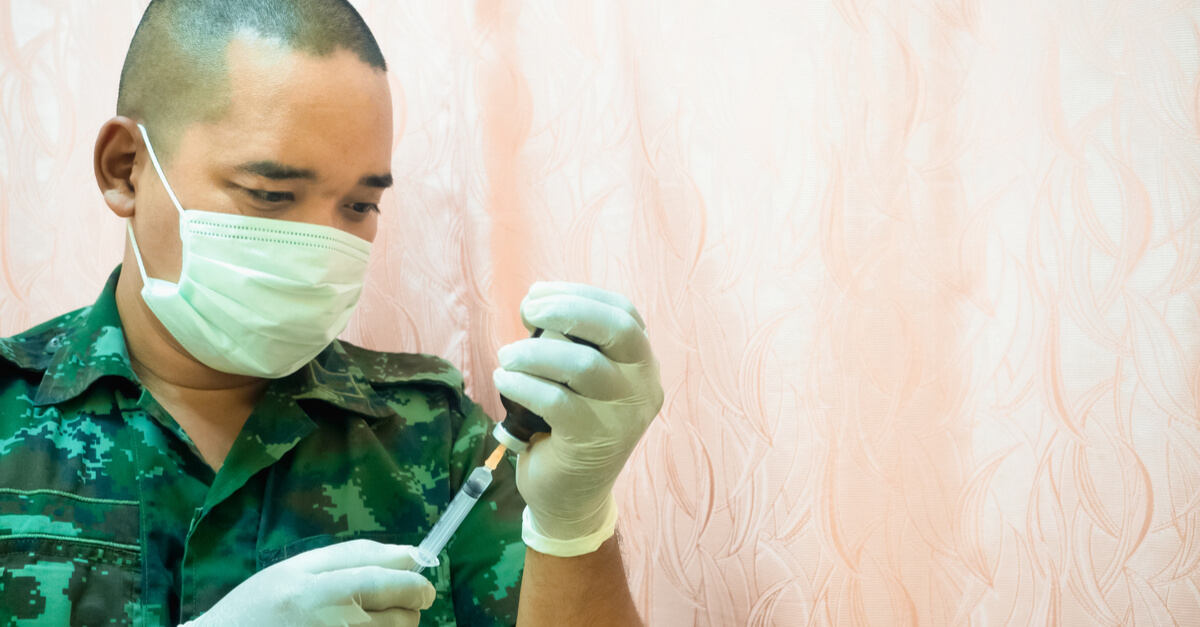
{"x": 256, "y": 296}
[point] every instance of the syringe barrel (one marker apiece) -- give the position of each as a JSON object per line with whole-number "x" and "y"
{"x": 477, "y": 482}
{"x": 455, "y": 513}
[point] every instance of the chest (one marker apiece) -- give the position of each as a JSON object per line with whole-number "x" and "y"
{"x": 106, "y": 513}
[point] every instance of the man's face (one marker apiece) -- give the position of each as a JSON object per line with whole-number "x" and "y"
{"x": 305, "y": 138}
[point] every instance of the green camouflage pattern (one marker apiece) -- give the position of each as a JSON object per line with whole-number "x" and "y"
{"x": 110, "y": 516}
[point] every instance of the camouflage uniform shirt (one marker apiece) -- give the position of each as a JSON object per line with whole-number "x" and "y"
{"x": 109, "y": 515}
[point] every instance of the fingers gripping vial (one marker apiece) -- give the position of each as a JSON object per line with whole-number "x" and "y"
{"x": 520, "y": 423}
{"x": 599, "y": 401}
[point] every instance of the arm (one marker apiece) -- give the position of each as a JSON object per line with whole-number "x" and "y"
{"x": 598, "y": 396}
{"x": 586, "y": 590}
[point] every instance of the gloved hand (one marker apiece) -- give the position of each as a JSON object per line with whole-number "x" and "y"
{"x": 597, "y": 403}
{"x": 359, "y": 582}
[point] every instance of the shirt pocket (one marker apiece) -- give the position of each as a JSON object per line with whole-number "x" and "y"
{"x": 68, "y": 560}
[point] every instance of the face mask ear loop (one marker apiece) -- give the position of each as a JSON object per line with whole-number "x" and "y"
{"x": 170, "y": 192}
{"x": 158, "y": 168}
{"x": 137, "y": 253}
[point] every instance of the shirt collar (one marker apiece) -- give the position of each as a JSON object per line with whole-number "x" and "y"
{"x": 80, "y": 347}
{"x": 349, "y": 376}
{"x": 77, "y": 349}
{"x": 335, "y": 378}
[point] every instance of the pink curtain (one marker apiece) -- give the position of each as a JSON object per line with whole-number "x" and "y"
{"x": 923, "y": 275}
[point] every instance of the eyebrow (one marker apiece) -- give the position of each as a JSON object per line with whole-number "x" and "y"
{"x": 279, "y": 172}
{"x": 382, "y": 181}
{"x": 276, "y": 171}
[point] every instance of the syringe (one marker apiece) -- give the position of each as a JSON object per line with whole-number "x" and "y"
{"x": 460, "y": 505}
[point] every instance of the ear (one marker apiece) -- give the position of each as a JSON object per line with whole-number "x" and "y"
{"x": 115, "y": 160}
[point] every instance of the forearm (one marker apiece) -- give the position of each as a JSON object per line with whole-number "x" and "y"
{"x": 589, "y": 589}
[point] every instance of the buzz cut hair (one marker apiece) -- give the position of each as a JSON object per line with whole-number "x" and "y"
{"x": 176, "y": 71}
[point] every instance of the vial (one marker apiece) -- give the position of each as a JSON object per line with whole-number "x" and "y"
{"x": 520, "y": 423}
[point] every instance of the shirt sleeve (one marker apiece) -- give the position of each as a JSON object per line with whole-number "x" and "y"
{"x": 487, "y": 556}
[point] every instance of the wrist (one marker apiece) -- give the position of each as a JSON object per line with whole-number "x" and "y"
{"x": 569, "y": 539}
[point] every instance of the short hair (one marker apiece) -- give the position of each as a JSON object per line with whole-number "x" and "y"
{"x": 176, "y": 73}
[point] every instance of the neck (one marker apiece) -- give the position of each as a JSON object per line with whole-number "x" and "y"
{"x": 162, "y": 364}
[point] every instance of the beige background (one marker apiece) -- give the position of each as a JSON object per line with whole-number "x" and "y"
{"x": 924, "y": 275}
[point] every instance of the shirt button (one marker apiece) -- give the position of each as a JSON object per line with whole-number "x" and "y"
{"x": 55, "y": 343}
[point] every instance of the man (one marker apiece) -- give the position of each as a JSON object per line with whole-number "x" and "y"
{"x": 197, "y": 447}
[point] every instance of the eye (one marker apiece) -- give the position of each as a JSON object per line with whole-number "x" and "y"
{"x": 364, "y": 207}
{"x": 271, "y": 197}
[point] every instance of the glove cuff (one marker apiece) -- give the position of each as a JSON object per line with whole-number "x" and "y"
{"x": 542, "y": 543}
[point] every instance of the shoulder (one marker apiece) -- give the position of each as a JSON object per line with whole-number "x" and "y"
{"x": 391, "y": 374}
{"x": 380, "y": 367}
{"x": 33, "y": 349}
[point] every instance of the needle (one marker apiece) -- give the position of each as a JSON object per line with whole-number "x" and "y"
{"x": 494, "y": 459}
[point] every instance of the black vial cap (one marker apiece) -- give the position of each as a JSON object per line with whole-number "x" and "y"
{"x": 520, "y": 421}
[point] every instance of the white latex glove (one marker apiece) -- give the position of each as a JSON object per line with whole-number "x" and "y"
{"x": 597, "y": 403}
{"x": 359, "y": 582}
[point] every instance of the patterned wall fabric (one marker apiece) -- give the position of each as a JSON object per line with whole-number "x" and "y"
{"x": 923, "y": 275}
